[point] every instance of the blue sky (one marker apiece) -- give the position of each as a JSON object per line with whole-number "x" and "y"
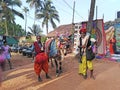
{"x": 107, "y": 7}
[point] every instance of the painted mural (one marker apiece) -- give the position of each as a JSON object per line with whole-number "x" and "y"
{"x": 97, "y": 32}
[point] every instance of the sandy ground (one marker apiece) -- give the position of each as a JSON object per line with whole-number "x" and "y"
{"x": 22, "y": 76}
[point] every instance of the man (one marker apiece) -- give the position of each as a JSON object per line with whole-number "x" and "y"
{"x": 84, "y": 63}
{"x": 41, "y": 59}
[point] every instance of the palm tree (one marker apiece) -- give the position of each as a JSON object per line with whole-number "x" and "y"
{"x": 48, "y": 13}
{"x": 25, "y": 9}
{"x": 35, "y": 3}
{"x": 8, "y": 13}
{"x": 35, "y": 29}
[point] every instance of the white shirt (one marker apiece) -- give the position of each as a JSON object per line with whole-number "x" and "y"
{"x": 85, "y": 41}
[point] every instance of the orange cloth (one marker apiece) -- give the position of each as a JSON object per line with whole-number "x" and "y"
{"x": 37, "y": 47}
{"x": 111, "y": 48}
{"x": 41, "y": 63}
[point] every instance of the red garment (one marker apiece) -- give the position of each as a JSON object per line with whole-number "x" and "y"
{"x": 41, "y": 63}
{"x": 61, "y": 46}
{"x": 83, "y": 30}
{"x": 111, "y": 49}
{"x": 41, "y": 57}
{"x": 37, "y": 47}
{"x": 112, "y": 42}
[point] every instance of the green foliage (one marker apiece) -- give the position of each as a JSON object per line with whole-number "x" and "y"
{"x": 35, "y": 29}
{"x": 118, "y": 44}
{"x": 43, "y": 39}
{"x": 8, "y": 15}
{"x": 48, "y": 14}
{"x": 45, "y": 10}
{"x": 29, "y": 40}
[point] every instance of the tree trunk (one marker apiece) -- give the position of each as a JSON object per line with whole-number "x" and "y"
{"x": 6, "y": 28}
{"x": 25, "y": 24}
{"x": 91, "y": 15}
{"x": 47, "y": 27}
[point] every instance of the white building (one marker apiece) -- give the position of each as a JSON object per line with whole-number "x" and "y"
{"x": 76, "y": 38}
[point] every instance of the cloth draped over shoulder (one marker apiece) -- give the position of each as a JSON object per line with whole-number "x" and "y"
{"x": 84, "y": 41}
{"x": 53, "y": 48}
{"x": 87, "y": 41}
{"x": 37, "y": 47}
{"x": 40, "y": 56}
{"x": 47, "y": 45}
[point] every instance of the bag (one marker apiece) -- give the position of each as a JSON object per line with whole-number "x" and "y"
{"x": 90, "y": 55}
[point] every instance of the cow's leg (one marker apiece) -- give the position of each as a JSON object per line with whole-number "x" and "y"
{"x": 52, "y": 62}
{"x": 60, "y": 67}
{"x": 57, "y": 70}
{"x": 65, "y": 51}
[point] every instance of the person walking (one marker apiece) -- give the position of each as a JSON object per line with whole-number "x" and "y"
{"x": 41, "y": 59}
{"x": 7, "y": 53}
{"x": 85, "y": 64}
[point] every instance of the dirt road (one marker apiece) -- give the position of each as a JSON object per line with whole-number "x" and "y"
{"x": 22, "y": 77}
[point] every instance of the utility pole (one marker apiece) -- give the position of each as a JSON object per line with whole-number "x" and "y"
{"x": 73, "y": 12}
{"x": 96, "y": 12}
{"x": 73, "y": 16}
{"x": 73, "y": 20}
{"x": 91, "y": 15}
{"x": 103, "y": 16}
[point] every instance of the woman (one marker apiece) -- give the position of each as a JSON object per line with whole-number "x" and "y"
{"x": 7, "y": 54}
{"x": 112, "y": 45}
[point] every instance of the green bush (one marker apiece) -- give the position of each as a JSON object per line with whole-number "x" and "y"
{"x": 43, "y": 39}
{"x": 118, "y": 44}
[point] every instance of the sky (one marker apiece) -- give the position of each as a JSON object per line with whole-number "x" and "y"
{"x": 108, "y": 8}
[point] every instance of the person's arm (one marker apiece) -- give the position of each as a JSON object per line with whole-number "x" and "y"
{"x": 93, "y": 42}
{"x": 9, "y": 49}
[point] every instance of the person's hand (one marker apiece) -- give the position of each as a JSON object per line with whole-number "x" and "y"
{"x": 89, "y": 47}
{"x": 83, "y": 46}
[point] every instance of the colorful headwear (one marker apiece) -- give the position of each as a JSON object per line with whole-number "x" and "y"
{"x": 83, "y": 30}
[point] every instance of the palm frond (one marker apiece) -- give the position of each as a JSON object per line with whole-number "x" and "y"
{"x": 53, "y": 23}
{"x": 15, "y": 3}
{"x": 18, "y": 14}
